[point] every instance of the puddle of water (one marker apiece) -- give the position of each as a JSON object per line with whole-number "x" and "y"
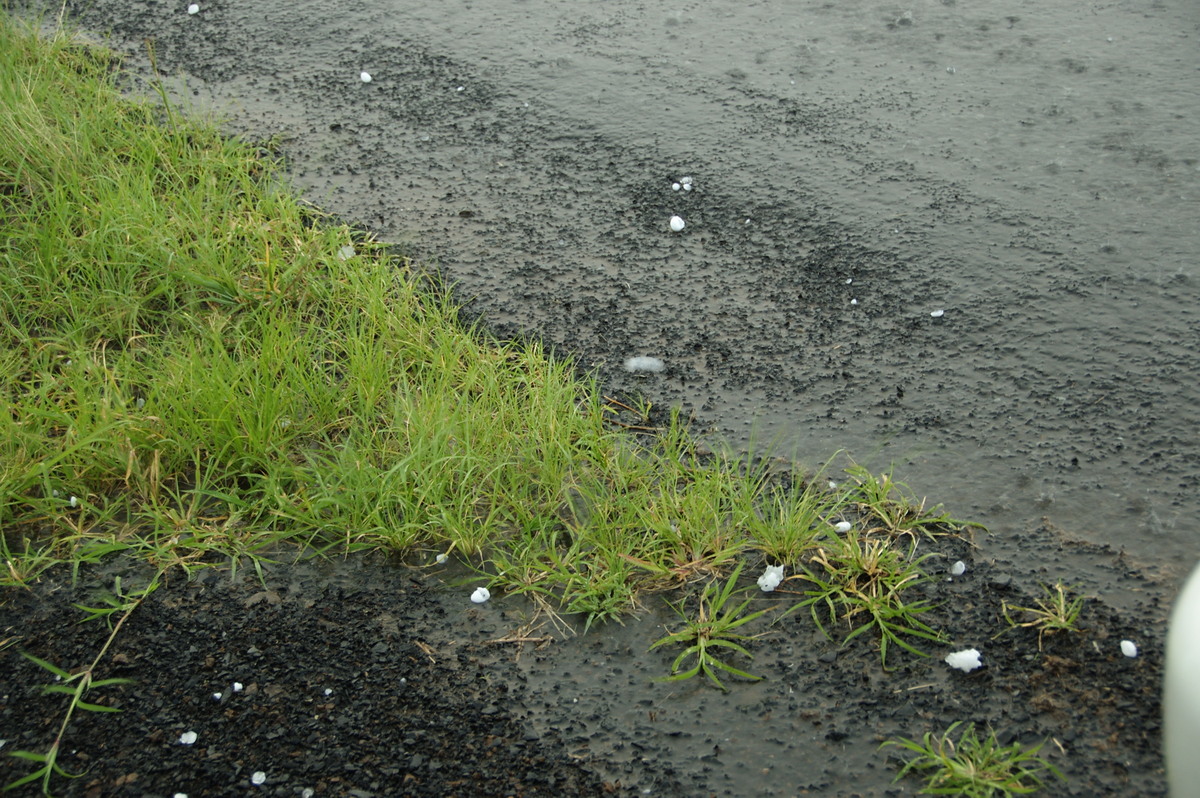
{"x": 1028, "y": 170}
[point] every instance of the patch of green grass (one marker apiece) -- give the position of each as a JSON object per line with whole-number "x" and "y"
{"x": 974, "y": 767}
{"x": 1055, "y": 611}
{"x": 711, "y": 631}
{"x": 861, "y": 581}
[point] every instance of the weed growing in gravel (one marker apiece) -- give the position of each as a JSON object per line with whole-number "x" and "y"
{"x": 1054, "y": 612}
{"x": 79, "y": 685}
{"x": 861, "y": 580}
{"x": 889, "y": 507}
{"x": 710, "y": 630}
{"x": 974, "y": 767}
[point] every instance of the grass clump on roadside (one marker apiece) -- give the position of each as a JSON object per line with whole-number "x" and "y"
{"x": 200, "y": 368}
{"x": 970, "y": 766}
{"x": 711, "y": 632}
{"x": 196, "y": 364}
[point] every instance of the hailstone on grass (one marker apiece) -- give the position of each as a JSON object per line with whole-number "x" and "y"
{"x": 771, "y": 578}
{"x": 842, "y": 527}
{"x": 966, "y": 660}
{"x": 481, "y": 595}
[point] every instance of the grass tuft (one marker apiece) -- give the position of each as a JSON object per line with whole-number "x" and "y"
{"x": 974, "y": 767}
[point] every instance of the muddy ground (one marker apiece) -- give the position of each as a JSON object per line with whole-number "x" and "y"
{"x": 363, "y": 677}
{"x": 857, "y": 167}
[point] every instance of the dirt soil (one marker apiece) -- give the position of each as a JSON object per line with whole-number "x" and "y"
{"x": 362, "y": 677}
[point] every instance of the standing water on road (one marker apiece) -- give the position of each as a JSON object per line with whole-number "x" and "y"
{"x": 958, "y": 237}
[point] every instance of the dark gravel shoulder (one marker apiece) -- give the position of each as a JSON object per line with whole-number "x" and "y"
{"x": 361, "y": 677}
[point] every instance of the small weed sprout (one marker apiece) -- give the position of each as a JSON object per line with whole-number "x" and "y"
{"x": 78, "y": 685}
{"x": 712, "y": 628}
{"x": 889, "y": 507}
{"x": 974, "y": 767}
{"x": 1055, "y": 612}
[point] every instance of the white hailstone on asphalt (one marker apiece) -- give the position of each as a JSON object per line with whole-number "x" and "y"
{"x": 958, "y": 569}
{"x": 677, "y": 224}
{"x": 685, "y": 180}
{"x": 346, "y": 253}
{"x": 675, "y": 186}
{"x": 194, "y": 8}
{"x": 218, "y": 696}
{"x": 187, "y": 738}
{"x": 771, "y": 578}
{"x": 687, "y": 186}
{"x": 237, "y": 687}
{"x": 966, "y": 660}
{"x": 328, "y": 691}
{"x": 441, "y": 558}
{"x": 853, "y": 301}
{"x": 365, "y": 77}
{"x": 461, "y": 88}
{"x": 843, "y": 526}
{"x": 258, "y": 778}
{"x": 937, "y": 314}
{"x": 481, "y": 595}
{"x": 636, "y": 364}
{"x": 849, "y": 280}
{"x": 180, "y": 795}
{"x": 307, "y": 792}
{"x": 1129, "y": 648}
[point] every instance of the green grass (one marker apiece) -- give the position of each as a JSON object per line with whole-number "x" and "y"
{"x": 974, "y": 767}
{"x": 711, "y": 632}
{"x": 200, "y": 368}
{"x": 1055, "y": 611}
